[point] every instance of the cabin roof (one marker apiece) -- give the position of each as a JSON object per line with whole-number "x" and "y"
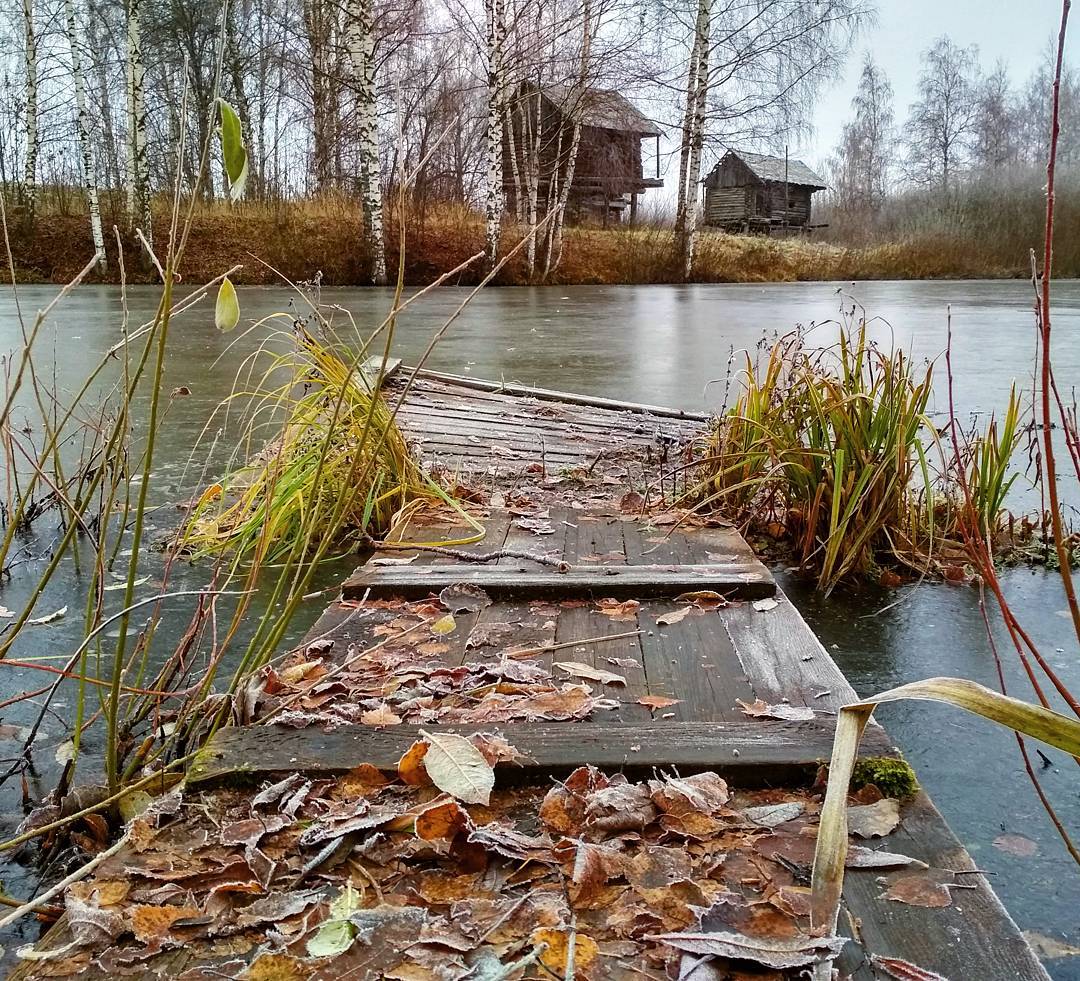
{"x": 769, "y": 168}
{"x": 604, "y": 109}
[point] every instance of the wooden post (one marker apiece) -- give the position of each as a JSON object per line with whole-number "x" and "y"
{"x": 633, "y": 208}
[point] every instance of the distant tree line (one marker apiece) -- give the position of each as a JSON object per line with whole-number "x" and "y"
{"x": 969, "y": 130}
{"x": 115, "y": 98}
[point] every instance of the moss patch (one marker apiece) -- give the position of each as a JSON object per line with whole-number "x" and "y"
{"x": 893, "y": 777}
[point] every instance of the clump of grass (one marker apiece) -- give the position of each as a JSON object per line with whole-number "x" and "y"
{"x": 832, "y": 452}
{"x": 336, "y": 452}
{"x": 829, "y": 446}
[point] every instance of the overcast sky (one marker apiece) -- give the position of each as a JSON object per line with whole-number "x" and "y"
{"x": 1015, "y": 30}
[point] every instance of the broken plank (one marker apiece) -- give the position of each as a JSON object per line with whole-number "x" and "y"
{"x": 736, "y": 580}
{"x": 758, "y": 749}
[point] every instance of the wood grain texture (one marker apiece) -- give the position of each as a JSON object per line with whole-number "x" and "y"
{"x": 757, "y": 749}
{"x": 974, "y": 938}
{"x": 523, "y": 579}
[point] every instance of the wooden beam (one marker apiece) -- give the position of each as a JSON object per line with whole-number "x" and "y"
{"x": 736, "y": 580}
{"x": 550, "y": 395}
{"x": 757, "y": 750}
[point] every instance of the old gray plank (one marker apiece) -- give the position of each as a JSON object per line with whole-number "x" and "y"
{"x": 523, "y": 579}
{"x": 757, "y": 749}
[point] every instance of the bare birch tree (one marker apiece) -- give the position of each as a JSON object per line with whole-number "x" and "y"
{"x": 29, "y": 183}
{"x": 941, "y": 121}
{"x": 864, "y": 156}
{"x": 360, "y": 34}
{"x": 495, "y": 12}
{"x": 82, "y": 125}
{"x": 693, "y": 138}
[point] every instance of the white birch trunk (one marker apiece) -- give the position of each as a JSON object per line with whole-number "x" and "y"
{"x": 29, "y": 186}
{"x": 687, "y": 127}
{"x": 496, "y": 45}
{"x": 532, "y": 179}
{"x": 360, "y": 40}
{"x": 511, "y": 140}
{"x": 688, "y": 231}
{"x": 554, "y": 252}
{"x": 82, "y": 125}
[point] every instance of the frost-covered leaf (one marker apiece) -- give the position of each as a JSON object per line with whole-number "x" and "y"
{"x": 778, "y": 953}
{"x": 458, "y": 768}
{"x": 579, "y": 670}
{"x": 759, "y": 709}
{"x": 463, "y": 598}
{"x": 874, "y": 820}
{"x": 48, "y": 618}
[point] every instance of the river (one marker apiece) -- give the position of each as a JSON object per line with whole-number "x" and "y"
{"x": 672, "y": 345}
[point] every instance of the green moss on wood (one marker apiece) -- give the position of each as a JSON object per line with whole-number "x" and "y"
{"x": 893, "y": 777}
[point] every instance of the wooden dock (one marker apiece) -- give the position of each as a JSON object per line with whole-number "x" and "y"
{"x": 694, "y": 659}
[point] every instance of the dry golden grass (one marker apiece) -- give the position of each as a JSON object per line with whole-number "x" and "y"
{"x": 301, "y": 238}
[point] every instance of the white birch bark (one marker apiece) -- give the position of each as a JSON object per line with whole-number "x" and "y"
{"x": 511, "y": 140}
{"x": 29, "y": 185}
{"x": 554, "y": 252}
{"x": 532, "y": 140}
{"x": 496, "y": 46}
{"x": 360, "y": 41}
{"x": 687, "y": 126}
{"x": 82, "y": 125}
{"x": 30, "y": 91}
{"x": 688, "y": 231}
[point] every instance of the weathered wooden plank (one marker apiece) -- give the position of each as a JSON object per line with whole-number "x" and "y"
{"x": 567, "y": 398}
{"x": 523, "y": 579}
{"x": 695, "y": 662}
{"x": 973, "y": 938}
{"x": 782, "y": 657}
{"x": 758, "y": 749}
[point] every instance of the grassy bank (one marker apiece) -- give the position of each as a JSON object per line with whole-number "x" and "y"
{"x": 301, "y": 238}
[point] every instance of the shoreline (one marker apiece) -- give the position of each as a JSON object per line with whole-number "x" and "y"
{"x": 300, "y": 240}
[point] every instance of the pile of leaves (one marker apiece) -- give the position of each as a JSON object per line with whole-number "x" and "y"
{"x": 407, "y": 674}
{"x": 431, "y": 873}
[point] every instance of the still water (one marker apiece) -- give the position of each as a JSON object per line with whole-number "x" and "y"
{"x": 673, "y": 345}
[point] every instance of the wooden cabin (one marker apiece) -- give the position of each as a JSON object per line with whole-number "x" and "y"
{"x": 608, "y": 174}
{"x": 755, "y": 192}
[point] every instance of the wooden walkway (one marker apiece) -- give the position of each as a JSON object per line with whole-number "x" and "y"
{"x": 712, "y": 663}
{"x": 716, "y": 670}
{"x": 473, "y": 426}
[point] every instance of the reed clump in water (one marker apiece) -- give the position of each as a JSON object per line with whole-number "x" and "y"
{"x": 337, "y": 452}
{"x": 832, "y": 452}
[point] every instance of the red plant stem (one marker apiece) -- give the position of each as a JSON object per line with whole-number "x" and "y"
{"x": 49, "y": 669}
{"x": 1022, "y": 744}
{"x": 1049, "y": 464}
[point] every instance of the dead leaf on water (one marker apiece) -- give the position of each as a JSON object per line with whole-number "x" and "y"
{"x": 1016, "y": 845}
{"x": 1050, "y": 948}
{"x": 48, "y": 618}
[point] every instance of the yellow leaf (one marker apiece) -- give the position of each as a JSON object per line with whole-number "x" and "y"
{"x": 227, "y": 307}
{"x": 444, "y": 625}
{"x": 557, "y": 949}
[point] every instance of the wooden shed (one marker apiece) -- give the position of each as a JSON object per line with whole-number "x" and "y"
{"x": 757, "y": 192}
{"x": 608, "y": 173}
